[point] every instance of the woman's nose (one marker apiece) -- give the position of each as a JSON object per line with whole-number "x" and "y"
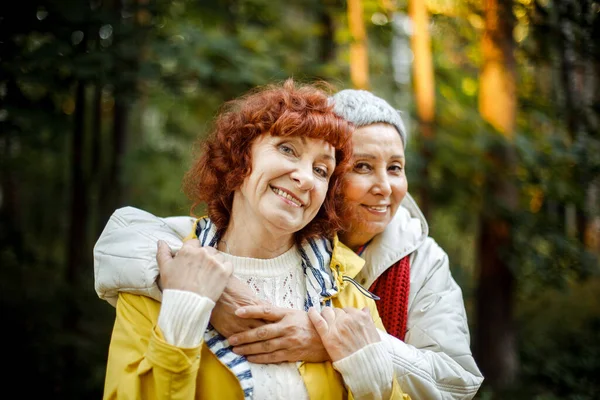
{"x": 381, "y": 185}
{"x": 303, "y": 177}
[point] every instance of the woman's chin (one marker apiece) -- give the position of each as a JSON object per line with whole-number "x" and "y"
{"x": 284, "y": 224}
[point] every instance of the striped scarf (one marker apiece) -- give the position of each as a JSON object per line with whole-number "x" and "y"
{"x": 320, "y": 287}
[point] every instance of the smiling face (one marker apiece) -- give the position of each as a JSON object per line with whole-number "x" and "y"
{"x": 376, "y": 184}
{"x": 288, "y": 183}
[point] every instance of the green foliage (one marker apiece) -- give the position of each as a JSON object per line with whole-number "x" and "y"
{"x": 560, "y": 348}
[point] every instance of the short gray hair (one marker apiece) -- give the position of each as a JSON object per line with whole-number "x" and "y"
{"x": 363, "y": 108}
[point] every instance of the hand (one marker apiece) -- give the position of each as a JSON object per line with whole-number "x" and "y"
{"x": 344, "y": 331}
{"x": 289, "y": 337}
{"x": 197, "y": 269}
{"x": 223, "y": 317}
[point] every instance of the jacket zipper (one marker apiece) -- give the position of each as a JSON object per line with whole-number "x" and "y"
{"x": 361, "y": 289}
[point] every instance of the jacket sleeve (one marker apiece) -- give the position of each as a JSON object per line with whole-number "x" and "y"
{"x": 125, "y": 253}
{"x": 141, "y": 364}
{"x": 435, "y": 360}
{"x": 350, "y": 296}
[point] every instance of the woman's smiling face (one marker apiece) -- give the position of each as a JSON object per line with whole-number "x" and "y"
{"x": 289, "y": 181}
{"x": 376, "y": 184}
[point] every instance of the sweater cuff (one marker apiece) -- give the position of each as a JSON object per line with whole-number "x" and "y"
{"x": 368, "y": 373}
{"x": 184, "y": 317}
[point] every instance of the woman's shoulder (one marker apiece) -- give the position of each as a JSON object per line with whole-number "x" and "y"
{"x": 125, "y": 253}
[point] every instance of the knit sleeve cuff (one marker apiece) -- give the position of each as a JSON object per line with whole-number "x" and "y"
{"x": 368, "y": 372}
{"x": 184, "y": 317}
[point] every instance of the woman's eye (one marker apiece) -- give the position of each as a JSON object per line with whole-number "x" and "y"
{"x": 395, "y": 168}
{"x": 362, "y": 167}
{"x": 322, "y": 172}
{"x": 284, "y": 148}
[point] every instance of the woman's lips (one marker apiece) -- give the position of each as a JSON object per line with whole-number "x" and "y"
{"x": 377, "y": 210}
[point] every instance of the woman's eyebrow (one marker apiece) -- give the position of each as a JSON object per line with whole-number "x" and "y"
{"x": 365, "y": 155}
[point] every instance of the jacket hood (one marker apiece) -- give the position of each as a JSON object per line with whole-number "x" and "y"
{"x": 406, "y": 233}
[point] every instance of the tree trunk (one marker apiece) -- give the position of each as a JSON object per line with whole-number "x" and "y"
{"x": 11, "y": 231}
{"x": 112, "y": 186}
{"x": 77, "y": 249}
{"x": 495, "y": 337}
{"x": 359, "y": 58}
{"x": 579, "y": 85}
{"x": 326, "y": 39}
{"x": 79, "y": 207}
{"x": 424, "y": 89}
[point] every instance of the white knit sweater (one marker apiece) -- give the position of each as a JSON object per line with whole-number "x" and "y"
{"x": 280, "y": 281}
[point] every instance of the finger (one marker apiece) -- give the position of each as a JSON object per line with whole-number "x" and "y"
{"x": 328, "y": 315}
{"x": 212, "y": 251}
{"x": 228, "y": 267}
{"x": 163, "y": 254}
{"x": 192, "y": 243}
{"x": 355, "y": 311}
{"x": 278, "y": 356}
{"x": 259, "y": 334}
{"x": 339, "y": 311}
{"x": 267, "y": 312}
{"x": 266, "y": 346}
{"x": 321, "y": 326}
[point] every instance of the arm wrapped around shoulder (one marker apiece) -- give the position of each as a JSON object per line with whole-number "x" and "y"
{"x": 125, "y": 253}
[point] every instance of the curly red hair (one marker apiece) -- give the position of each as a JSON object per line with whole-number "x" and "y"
{"x": 287, "y": 109}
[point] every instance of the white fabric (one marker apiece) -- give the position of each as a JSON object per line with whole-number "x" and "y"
{"x": 184, "y": 317}
{"x": 435, "y": 359}
{"x": 281, "y": 282}
{"x": 434, "y": 362}
{"x": 362, "y": 368}
{"x": 125, "y": 253}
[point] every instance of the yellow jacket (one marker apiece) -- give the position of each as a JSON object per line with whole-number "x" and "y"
{"x": 141, "y": 365}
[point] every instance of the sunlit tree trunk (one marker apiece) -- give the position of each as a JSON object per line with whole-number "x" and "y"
{"x": 424, "y": 90}
{"x": 495, "y": 337}
{"x": 359, "y": 60}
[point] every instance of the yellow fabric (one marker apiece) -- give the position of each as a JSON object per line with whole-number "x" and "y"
{"x": 141, "y": 365}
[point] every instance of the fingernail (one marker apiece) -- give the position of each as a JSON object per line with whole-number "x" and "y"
{"x": 232, "y": 341}
{"x": 240, "y": 311}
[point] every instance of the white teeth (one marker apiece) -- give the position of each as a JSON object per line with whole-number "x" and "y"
{"x": 287, "y": 196}
{"x": 378, "y": 208}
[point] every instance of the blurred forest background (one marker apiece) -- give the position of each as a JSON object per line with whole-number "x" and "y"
{"x": 101, "y": 101}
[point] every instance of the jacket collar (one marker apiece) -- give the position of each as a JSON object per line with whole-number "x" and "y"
{"x": 406, "y": 232}
{"x": 344, "y": 261}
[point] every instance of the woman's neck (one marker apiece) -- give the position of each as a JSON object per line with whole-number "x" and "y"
{"x": 355, "y": 240}
{"x": 244, "y": 243}
{"x": 245, "y": 237}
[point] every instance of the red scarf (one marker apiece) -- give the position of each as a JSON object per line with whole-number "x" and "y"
{"x": 393, "y": 287}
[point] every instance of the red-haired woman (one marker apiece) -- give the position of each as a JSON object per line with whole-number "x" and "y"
{"x": 268, "y": 174}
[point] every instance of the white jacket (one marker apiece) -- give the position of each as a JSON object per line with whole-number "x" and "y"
{"x": 434, "y": 362}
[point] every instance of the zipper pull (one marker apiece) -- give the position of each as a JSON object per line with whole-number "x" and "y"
{"x": 360, "y": 288}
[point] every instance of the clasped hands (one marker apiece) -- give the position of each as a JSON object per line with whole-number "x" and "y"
{"x": 267, "y": 334}
{"x": 262, "y": 332}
